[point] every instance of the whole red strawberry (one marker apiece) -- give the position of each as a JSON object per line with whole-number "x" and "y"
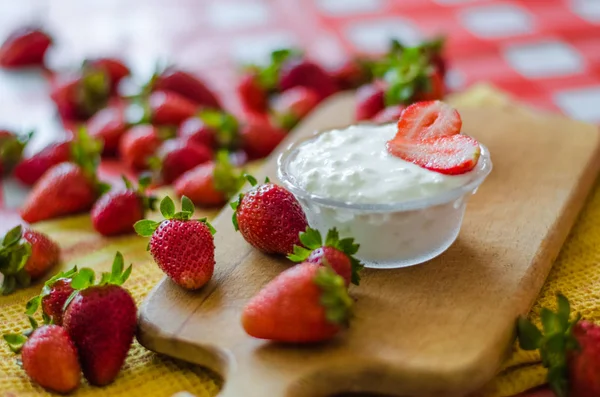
{"x": 210, "y": 184}
{"x": 139, "y": 144}
{"x": 306, "y": 303}
{"x": 78, "y": 97}
{"x": 11, "y": 149}
{"x": 49, "y": 357}
{"x": 260, "y": 137}
{"x": 53, "y": 297}
{"x": 569, "y": 348}
{"x": 25, "y": 256}
{"x": 101, "y": 319}
{"x": 211, "y": 128}
{"x": 182, "y": 247}
{"x": 293, "y": 105}
{"x": 117, "y": 211}
{"x": 186, "y": 85}
{"x": 114, "y": 68}
{"x": 176, "y": 156}
{"x": 169, "y": 108}
{"x": 66, "y": 188}
{"x": 352, "y": 74}
{"x": 301, "y": 72}
{"x": 196, "y": 130}
{"x": 108, "y": 126}
{"x": 26, "y": 46}
{"x": 269, "y": 217}
{"x": 253, "y": 96}
{"x": 30, "y": 169}
{"x": 369, "y": 101}
{"x": 334, "y": 252}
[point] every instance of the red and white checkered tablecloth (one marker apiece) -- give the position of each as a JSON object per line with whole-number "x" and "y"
{"x": 546, "y": 52}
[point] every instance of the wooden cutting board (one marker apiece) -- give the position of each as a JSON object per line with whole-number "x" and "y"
{"x": 438, "y": 329}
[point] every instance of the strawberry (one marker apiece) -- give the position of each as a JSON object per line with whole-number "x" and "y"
{"x": 435, "y": 89}
{"x": 569, "y": 348}
{"x": 369, "y": 101}
{"x": 108, "y": 126}
{"x": 80, "y": 96}
{"x": 269, "y": 218}
{"x": 114, "y": 68}
{"x": 66, "y": 188}
{"x": 25, "y": 256}
{"x": 253, "y": 96}
{"x": 26, "y": 46}
{"x": 169, "y": 108}
{"x": 428, "y": 119}
{"x": 186, "y": 85}
{"x": 210, "y": 184}
{"x": 293, "y": 105}
{"x": 49, "y": 357}
{"x": 11, "y": 149}
{"x": 117, "y": 211}
{"x": 45, "y": 253}
{"x": 450, "y": 155}
{"x": 335, "y": 253}
{"x": 182, "y": 247}
{"x": 177, "y": 156}
{"x": 211, "y": 128}
{"x": 30, "y": 169}
{"x": 260, "y": 137}
{"x": 352, "y": 73}
{"x": 306, "y": 303}
{"x": 139, "y": 144}
{"x": 301, "y": 72}
{"x": 101, "y": 320}
{"x": 389, "y": 114}
{"x": 54, "y": 294}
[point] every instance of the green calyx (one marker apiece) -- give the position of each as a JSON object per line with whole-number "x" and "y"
{"x": 85, "y": 152}
{"x": 235, "y": 204}
{"x": 268, "y": 76}
{"x": 34, "y": 303}
{"x": 85, "y": 277}
{"x": 553, "y": 341}
{"x": 93, "y": 90}
{"x": 407, "y": 70}
{"x": 14, "y": 253}
{"x": 334, "y": 296}
{"x": 311, "y": 240}
{"x": 147, "y": 227}
{"x": 11, "y": 148}
{"x": 148, "y": 201}
{"x": 226, "y": 126}
{"x": 16, "y": 341}
{"x": 227, "y": 178}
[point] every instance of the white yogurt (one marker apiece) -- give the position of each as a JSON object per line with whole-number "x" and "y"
{"x": 353, "y": 165}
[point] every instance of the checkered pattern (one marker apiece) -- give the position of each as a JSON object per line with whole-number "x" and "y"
{"x": 545, "y": 52}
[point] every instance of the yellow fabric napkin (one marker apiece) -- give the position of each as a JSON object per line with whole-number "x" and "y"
{"x": 576, "y": 274}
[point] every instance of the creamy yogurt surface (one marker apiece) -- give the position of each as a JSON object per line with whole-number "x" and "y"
{"x": 353, "y": 165}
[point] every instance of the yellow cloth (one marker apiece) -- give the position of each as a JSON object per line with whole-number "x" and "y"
{"x": 576, "y": 274}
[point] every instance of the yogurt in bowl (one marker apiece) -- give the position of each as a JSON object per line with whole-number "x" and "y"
{"x": 400, "y": 213}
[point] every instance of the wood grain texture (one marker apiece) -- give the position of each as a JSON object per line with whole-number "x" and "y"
{"x": 441, "y": 328}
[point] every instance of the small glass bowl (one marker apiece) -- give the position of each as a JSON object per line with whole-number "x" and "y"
{"x": 390, "y": 235}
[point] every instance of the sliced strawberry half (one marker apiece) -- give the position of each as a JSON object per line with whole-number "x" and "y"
{"x": 428, "y": 119}
{"x": 450, "y": 155}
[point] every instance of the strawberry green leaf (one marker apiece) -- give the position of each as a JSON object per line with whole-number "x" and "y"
{"x": 267, "y": 180}
{"x": 311, "y": 239}
{"x": 12, "y": 236}
{"x": 15, "y": 342}
{"x": 550, "y": 321}
{"x": 70, "y": 299}
{"x": 154, "y": 163}
{"x": 47, "y": 319}
{"x": 8, "y": 285}
{"x": 83, "y": 279}
{"x": 557, "y": 380}
{"x": 529, "y": 335}
{"x": 300, "y": 254}
{"x": 125, "y": 275}
{"x": 334, "y": 296}
{"x": 208, "y": 224}
{"x": 32, "y": 305}
{"x": 234, "y": 205}
{"x": 146, "y": 227}
{"x": 32, "y": 322}
{"x": 252, "y": 180}
{"x": 145, "y": 180}
{"x": 117, "y": 266}
{"x": 187, "y": 205}
{"x": 227, "y": 179}
{"x": 127, "y": 183}
{"x": 167, "y": 207}
{"x": 563, "y": 311}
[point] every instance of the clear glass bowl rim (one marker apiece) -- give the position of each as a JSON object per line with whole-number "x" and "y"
{"x": 478, "y": 175}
